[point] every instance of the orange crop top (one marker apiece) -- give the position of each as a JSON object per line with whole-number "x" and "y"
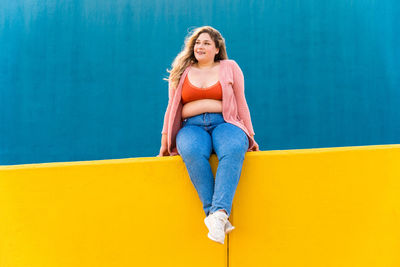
{"x": 191, "y": 92}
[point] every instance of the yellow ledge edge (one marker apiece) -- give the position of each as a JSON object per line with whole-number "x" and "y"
{"x": 173, "y": 158}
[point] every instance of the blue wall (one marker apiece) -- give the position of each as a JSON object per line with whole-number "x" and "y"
{"x": 82, "y": 80}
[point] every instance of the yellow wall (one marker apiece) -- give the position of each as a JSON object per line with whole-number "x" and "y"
{"x": 314, "y": 207}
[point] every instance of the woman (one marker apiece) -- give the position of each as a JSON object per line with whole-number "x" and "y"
{"x": 206, "y": 112}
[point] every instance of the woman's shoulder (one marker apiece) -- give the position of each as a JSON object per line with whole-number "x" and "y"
{"x": 230, "y": 63}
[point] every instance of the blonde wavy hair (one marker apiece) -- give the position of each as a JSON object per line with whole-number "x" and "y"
{"x": 186, "y": 56}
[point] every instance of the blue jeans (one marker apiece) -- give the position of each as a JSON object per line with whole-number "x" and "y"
{"x": 200, "y": 136}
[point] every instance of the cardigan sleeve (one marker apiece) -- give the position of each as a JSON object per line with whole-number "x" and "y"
{"x": 238, "y": 88}
{"x": 166, "y": 115}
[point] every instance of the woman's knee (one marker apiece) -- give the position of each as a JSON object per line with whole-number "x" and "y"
{"x": 229, "y": 139}
{"x": 193, "y": 142}
{"x": 234, "y": 149}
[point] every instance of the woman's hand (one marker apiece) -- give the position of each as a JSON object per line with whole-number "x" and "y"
{"x": 164, "y": 146}
{"x": 163, "y": 151}
{"x": 255, "y": 147}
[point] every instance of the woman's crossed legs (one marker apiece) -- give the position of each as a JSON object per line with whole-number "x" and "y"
{"x": 195, "y": 144}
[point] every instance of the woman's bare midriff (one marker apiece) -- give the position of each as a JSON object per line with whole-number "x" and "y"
{"x": 197, "y": 107}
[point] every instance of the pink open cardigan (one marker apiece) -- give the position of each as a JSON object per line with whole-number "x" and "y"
{"x": 234, "y": 105}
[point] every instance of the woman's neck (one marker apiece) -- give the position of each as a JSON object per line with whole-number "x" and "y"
{"x": 207, "y": 65}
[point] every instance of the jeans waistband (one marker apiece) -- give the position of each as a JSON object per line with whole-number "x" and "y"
{"x": 206, "y": 118}
{"x": 205, "y": 115}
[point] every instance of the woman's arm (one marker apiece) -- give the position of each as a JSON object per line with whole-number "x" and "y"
{"x": 238, "y": 87}
{"x": 164, "y": 132}
{"x": 171, "y": 92}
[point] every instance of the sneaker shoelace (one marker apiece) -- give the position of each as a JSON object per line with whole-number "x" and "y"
{"x": 219, "y": 224}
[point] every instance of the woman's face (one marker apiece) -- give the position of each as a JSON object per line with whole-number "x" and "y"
{"x": 204, "y": 48}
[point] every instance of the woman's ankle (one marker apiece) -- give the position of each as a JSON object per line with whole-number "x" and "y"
{"x": 223, "y": 211}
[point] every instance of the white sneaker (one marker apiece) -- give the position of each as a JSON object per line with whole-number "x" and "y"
{"x": 215, "y": 223}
